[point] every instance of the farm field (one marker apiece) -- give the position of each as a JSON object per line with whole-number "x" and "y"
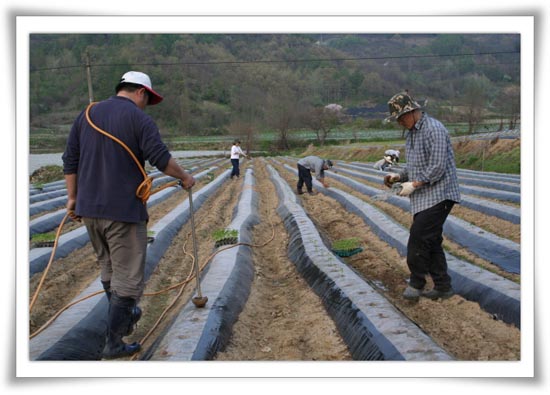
{"x": 272, "y": 297}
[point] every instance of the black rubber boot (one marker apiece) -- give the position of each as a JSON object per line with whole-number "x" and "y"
{"x": 123, "y": 315}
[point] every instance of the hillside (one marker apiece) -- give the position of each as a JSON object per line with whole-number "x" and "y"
{"x": 227, "y": 83}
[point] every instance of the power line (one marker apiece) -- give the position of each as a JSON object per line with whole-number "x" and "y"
{"x": 241, "y": 62}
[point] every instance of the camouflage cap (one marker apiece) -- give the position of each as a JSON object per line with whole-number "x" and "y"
{"x": 400, "y": 104}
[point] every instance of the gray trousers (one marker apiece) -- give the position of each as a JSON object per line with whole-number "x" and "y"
{"x": 121, "y": 251}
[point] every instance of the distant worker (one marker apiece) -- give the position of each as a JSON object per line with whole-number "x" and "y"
{"x": 431, "y": 182}
{"x": 383, "y": 164}
{"x": 102, "y": 187}
{"x": 236, "y": 153}
{"x": 393, "y": 154}
{"x": 390, "y": 159}
{"x": 308, "y": 165}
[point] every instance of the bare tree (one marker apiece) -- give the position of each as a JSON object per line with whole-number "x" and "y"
{"x": 476, "y": 96}
{"x": 245, "y": 131}
{"x": 185, "y": 114}
{"x": 283, "y": 114}
{"x": 510, "y": 104}
{"x": 247, "y": 113}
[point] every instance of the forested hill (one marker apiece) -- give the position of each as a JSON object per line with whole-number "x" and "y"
{"x": 213, "y": 83}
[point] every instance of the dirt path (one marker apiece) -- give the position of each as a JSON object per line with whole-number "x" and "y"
{"x": 283, "y": 318}
{"x": 177, "y": 263}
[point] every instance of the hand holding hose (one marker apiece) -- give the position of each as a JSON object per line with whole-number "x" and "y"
{"x": 71, "y": 205}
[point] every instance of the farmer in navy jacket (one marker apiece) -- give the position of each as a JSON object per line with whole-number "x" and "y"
{"x": 102, "y": 179}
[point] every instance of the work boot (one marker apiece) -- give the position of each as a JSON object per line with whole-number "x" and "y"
{"x": 299, "y": 192}
{"x": 436, "y": 294}
{"x": 312, "y": 193}
{"x": 123, "y": 315}
{"x": 411, "y": 293}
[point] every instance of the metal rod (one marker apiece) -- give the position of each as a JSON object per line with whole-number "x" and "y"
{"x": 89, "y": 77}
{"x": 194, "y": 243}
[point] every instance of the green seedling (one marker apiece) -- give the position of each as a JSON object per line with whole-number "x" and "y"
{"x": 346, "y": 244}
{"x": 221, "y": 234}
{"x": 39, "y": 237}
{"x": 43, "y": 239}
{"x": 346, "y": 247}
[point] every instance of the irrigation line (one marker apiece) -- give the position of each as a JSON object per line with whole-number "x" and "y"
{"x": 39, "y": 287}
{"x": 163, "y": 314}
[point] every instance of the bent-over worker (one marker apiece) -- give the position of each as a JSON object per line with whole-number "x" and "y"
{"x": 308, "y": 165}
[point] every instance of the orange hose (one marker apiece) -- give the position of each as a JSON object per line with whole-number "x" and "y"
{"x": 49, "y": 263}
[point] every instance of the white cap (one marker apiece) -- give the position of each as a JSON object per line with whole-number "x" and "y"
{"x": 137, "y": 77}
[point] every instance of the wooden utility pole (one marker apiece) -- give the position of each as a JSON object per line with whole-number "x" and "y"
{"x": 89, "y": 75}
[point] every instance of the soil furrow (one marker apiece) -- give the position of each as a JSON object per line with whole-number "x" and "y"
{"x": 283, "y": 318}
{"x": 458, "y": 325}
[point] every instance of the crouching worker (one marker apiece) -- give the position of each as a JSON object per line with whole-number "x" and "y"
{"x": 431, "y": 183}
{"x": 393, "y": 154}
{"x": 384, "y": 164}
{"x": 102, "y": 181}
{"x": 391, "y": 158}
{"x": 308, "y": 165}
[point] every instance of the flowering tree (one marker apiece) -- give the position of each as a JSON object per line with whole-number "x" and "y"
{"x": 324, "y": 119}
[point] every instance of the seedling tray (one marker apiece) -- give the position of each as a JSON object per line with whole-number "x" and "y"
{"x": 228, "y": 241}
{"x": 43, "y": 240}
{"x": 41, "y": 244}
{"x": 225, "y": 237}
{"x": 346, "y": 247}
{"x": 346, "y": 253}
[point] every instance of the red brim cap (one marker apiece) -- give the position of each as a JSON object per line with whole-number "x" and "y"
{"x": 154, "y": 97}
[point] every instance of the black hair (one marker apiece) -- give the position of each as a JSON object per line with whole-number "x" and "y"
{"x": 131, "y": 87}
{"x": 127, "y": 86}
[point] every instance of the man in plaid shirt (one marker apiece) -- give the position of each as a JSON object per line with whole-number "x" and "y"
{"x": 430, "y": 181}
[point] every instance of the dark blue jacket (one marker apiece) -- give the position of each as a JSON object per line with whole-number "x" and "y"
{"x": 107, "y": 176}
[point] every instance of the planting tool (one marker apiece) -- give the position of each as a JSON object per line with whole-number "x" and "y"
{"x": 199, "y": 300}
